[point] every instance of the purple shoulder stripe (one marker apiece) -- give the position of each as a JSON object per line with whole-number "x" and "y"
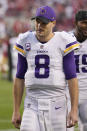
{"x": 19, "y": 46}
{"x": 70, "y": 44}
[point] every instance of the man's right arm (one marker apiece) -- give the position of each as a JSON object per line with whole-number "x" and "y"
{"x": 18, "y": 90}
{"x": 18, "y": 93}
{"x": 19, "y": 81}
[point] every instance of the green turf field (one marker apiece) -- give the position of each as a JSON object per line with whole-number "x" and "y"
{"x": 6, "y": 106}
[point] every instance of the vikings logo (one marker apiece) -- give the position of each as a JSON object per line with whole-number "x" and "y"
{"x": 42, "y": 46}
{"x": 42, "y": 11}
{"x": 27, "y": 46}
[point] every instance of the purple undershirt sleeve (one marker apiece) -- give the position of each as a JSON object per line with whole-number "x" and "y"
{"x": 21, "y": 66}
{"x": 69, "y": 66}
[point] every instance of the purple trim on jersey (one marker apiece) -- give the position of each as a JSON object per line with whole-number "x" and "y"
{"x": 70, "y": 44}
{"x": 69, "y": 66}
{"x": 21, "y": 66}
{"x": 19, "y": 46}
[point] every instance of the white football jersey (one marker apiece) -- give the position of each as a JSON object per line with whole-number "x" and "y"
{"x": 81, "y": 68}
{"x": 45, "y": 61}
{"x": 81, "y": 65}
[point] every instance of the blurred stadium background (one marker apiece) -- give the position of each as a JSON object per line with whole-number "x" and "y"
{"x": 15, "y": 17}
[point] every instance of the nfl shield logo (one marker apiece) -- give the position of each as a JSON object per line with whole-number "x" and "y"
{"x": 42, "y": 46}
{"x": 27, "y": 46}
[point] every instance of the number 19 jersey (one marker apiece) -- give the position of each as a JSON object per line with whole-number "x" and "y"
{"x": 81, "y": 65}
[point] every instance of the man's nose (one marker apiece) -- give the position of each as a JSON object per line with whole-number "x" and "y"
{"x": 39, "y": 24}
{"x": 84, "y": 25}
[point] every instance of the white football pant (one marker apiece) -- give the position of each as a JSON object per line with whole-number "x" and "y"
{"x": 83, "y": 114}
{"x": 44, "y": 114}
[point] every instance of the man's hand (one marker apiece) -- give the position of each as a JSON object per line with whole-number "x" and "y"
{"x": 72, "y": 119}
{"x": 16, "y": 119}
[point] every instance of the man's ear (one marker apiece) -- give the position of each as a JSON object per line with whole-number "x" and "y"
{"x": 54, "y": 22}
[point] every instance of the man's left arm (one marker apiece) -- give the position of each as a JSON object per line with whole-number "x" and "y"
{"x": 69, "y": 67}
{"x": 72, "y": 118}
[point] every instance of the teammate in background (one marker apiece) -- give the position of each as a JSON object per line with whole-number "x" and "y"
{"x": 45, "y": 62}
{"x": 18, "y": 27}
{"x": 80, "y": 33}
{"x": 3, "y": 49}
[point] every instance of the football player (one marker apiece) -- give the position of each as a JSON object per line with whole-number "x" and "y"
{"x": 45, "y": 62}
{"x": 80, "y": 33}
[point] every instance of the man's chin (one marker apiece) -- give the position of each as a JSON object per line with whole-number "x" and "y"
{"x": 40, "y": 34}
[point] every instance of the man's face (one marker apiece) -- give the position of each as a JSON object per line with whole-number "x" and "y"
{"x": 42, "y": 29}
{"x": 82, "y": 27}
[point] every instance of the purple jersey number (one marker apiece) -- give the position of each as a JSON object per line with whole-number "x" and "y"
{"x": 84, "y": 63}
{"x": 44, "y": 65}
{"x": 77, "y": 63}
